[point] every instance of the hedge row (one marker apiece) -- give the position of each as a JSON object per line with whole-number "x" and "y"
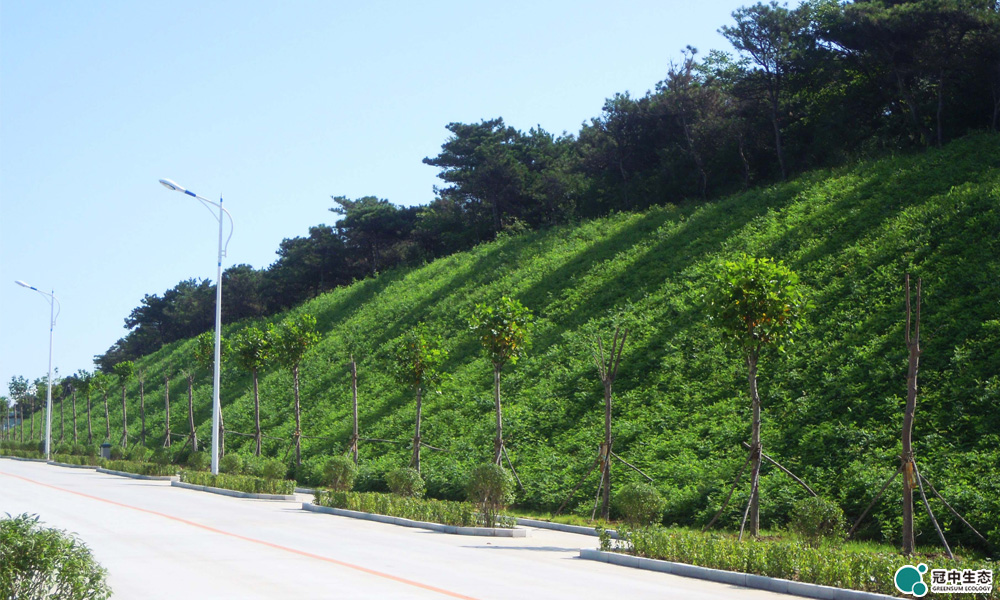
{"x": 240, "y": 483}
{"x": 445, "y": 512}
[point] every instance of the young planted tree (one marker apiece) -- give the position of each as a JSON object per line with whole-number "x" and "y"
{"x": 253, "y": 348}
{"x": 204, "y": 354}
{"x": 124, "y": 371}
{"x": 607, "y": 369}
{"x": 417, "y": 356}
{"x": 292, "y": 340}
{"x": 166, "y": 408}
{"x": 193, "y": 435}
{"x": 102, "y": 383}
{"x": 18, "y": 388}
{"x": 140, "y": 376}
{"x": 757, "y": 303}
{"x": 5, "y": 407}
{"x": 504, "y": 330}
{"x": 86, "y": 386}
{"x": 354, "y": 343}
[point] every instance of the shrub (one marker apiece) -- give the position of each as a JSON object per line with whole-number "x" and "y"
{"x": 198, "y": 461}
{"x": 240, "y": 483}
{"x": 405, "y": 482}
{"x": 140, "y": 468}
{"x": 491, "y": 489}
{"x": 339, "y": 473}
{"x": 161, "y": 456}
{"x": 137, "y": 454}
{"x": 815, "y": 519}
{"x": 310, "y": 472}
{"x": 273, "y": 468}
{"x": 640, "y": 504}
{"x": 371, "y": 478}
{"x": 231, "y": 464}
{"x": 117, "y": 453}
{"x": 460, "y": 514}
{"x": 38, "y": 562}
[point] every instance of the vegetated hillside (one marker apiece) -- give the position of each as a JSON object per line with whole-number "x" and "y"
{"x": 832, "y": 405}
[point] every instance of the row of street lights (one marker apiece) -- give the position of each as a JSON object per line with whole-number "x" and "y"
{"x": 216, "y": 409}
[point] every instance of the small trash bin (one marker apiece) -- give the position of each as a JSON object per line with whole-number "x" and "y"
{"x": 106, "y": 451}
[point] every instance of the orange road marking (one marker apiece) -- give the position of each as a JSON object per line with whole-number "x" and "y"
{"x": 340, "y": 563}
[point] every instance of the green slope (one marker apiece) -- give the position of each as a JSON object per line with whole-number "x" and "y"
{"x": 832, "y": 404}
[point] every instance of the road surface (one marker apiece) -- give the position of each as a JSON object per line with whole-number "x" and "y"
{"x": 159, "y": 541}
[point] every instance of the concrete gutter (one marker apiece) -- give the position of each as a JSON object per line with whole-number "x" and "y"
{"x": 137, "y": 476}
{"x": 759, "y": 582}
{"x": 481, "y": 531}
{"x": 579, "y": 529}
{"x": 233, "y": 493}
{"x": 59, "y": 464}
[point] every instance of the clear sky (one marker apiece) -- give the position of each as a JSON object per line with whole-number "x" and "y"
{"x": 276, "y": 106}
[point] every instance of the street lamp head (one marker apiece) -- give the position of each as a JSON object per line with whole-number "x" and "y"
{"x": 170, "y": 185}
{"x": 22, "y": 284}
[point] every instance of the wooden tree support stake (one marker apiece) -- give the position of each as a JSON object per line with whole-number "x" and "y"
{"x": 633, "y": 467}
{"x": 931, "y": 513}
{"x": 746, "y": 513}
{"x": 784, "y": 470}
{"x": 729, "y": 497}
{"x": 512, "y": 469}
{"x": 953, "y": 511}
{"x": 596, "y": 464}
{"x": 874, "y": 500}
{"x": 426, "y": 445}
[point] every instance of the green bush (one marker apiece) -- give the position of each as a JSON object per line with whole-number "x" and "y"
{"x": 339, "y": 473}
{"x": 491, "y": 489}
{"x": 231, "y": 464}
{"x": 140, "y": 468}
{"x": 72, "y": 459}
{"x": 137, "y": 453}
{"x": 117, "y": 453}
{"x": 198, "y": 461}
{"x": 815, "y": 519}
{"x": 405, "y": 482}
{"x": 42, "y": 563}
{"x": 240, "y": 483}
{"x": 445, "y": 512}
{"x": 850, "y": 568}
{"x": 160, "y": 456}
{"x": 273, "y": 468}
{"x": 639, "y": 504}
{"x": 310, "y": 472}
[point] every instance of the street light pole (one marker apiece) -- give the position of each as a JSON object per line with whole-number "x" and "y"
{"x": 216, "y": 406}
{"x": 53, "y": 302}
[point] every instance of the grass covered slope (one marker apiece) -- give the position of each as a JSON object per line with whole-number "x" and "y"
{"x": 832, "y": 405}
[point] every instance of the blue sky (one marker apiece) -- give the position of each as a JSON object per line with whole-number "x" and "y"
{"x": 276, "y": 106}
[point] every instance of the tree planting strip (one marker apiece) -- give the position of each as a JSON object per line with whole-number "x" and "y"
{"x": 233, "y": 493}
{"x": 137, "y": 476}
{"x": 453, "y": 529}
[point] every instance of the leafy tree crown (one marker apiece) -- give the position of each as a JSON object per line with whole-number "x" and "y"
{"x": 417, "y": 356}
{"x": 253, "y": 347}
{"x": 503, "y": 328}
{"x": 293, "y": 338}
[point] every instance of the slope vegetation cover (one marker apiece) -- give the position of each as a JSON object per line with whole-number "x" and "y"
{"x": 832, "y": 403}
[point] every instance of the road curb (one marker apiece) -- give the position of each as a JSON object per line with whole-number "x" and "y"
{"x": 759, "y": 582}
{"x": 578, "y": 529}
{"x": 25, "y": 459}
{"x": 72, "y": 466}
{"x": 480, "y": 531}
{"x": 233, "y": 493}
{"x": 137, "y": 475}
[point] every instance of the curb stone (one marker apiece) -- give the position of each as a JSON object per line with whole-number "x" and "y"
{"x": 480, "y": 531}
{"x": 233, "y": 493}
{"x": 137, "y": 476}
{"x": 760, "y": 582}
{"x": 579, "y": 529}
{"x": 68, "y": 465}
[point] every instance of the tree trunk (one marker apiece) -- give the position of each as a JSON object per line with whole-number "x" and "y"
{"x": 166, "y": 410}
{"x": 354, "y": 404}
{"x": 107, "y": 417}
{"x": 31, "y": 417}
{"x": 415, "y": 461}
{"x": 256, "y": 413}
{"x": 62, "y": 421}
{"x": 777, "y": 137}
{"x": 124, "y": 420}
{"x": 20, "y": 422}
{"x": 755, "y": 446}
{"x": 913, "y": 348}
{"x": 142, "y": 411}
{"x": 74, "y": 416}
{"x": 222, "y": 432}
{"x": 90, "y": 428}
{"x": 194, "y": 436}
{"x": 606, "y": 453}
{"x": 498, "y": 442}
{"x": 298, "y": 416}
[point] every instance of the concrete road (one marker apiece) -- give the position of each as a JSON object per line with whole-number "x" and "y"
{"x": 159, "y": 541}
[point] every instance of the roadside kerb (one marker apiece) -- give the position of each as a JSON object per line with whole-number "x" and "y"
{"x": 71, "y": 466}
{"x": 304, "y": 490}
{"x": 233, "y": 493}
{"x": 137, "y": 476}
{"x": 453, "y": 529}
{"x": 759, "y": 582}
{"x": 25, "y": 459}
{"x": 579, "y": 529}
